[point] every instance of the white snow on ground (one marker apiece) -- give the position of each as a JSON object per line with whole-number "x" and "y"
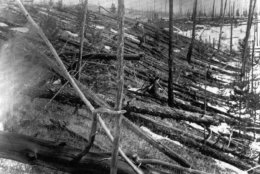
{"x": 222, "y": 128}
{"x": 100, "y": 27}
{"x": 194, "y": 125}
{"x": 176, "y": 50}
{"x": 107, "y": 47}
{"x": 224, "y": 165}
{"x": 113, "y": 31}
{"x": 227, "y": 91}
{"x": 1, "y": 126}
{"x": 214, "y": 90}
{"x": 43, "y": 12}
{"x": 175, "y": 30}
{"x": 222, "y": 69}
{"x": 225, "y": 78}
{"x": 255, "y": 146}
{"x": 221, "y": 108}
{"x": 20, "y": 29}
{"x": 133, "y": 89}
{"x": 256, "y": 72}
{"x": 208, "y": 34}
{"x": 68, "y": 34}
{"x": 3, "y": 24}
{"x": 132, "y": 37}
{"x": 158, "y": 137}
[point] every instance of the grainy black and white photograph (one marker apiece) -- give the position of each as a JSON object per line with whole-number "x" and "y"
{"x": 129, "y": 86}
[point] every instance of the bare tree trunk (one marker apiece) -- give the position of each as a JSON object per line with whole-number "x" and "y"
{"x": 180, "y": 7}
{"x": 221, "y": 26}
{"x": 120, "y": 78}
{"x": 194, "y": 15}
{"x": 213, "y": 9}
{"x": 75, "y": 84}
{"x": 49, "y": 154}
{"x": 249, "y": 24}
{"x": 170, "y": 63}
{"x": 252, "y": 60}
{"x": 82, "y": 39}
{"x": 221, "y": 8}
{"x": 231, "y": 28}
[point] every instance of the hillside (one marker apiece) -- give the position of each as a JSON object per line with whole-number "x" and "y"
{"x": 213, "y": 123}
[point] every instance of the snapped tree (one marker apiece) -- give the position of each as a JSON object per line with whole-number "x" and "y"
{"x": 194, "y": 16}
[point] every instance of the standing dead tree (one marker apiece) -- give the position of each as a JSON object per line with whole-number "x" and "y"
{"x": 221, "y": 25}
{"x": 76, "y": 85}
{"x": 213, "y": 9}
{"x": 221, "y": 8}
{"x": 120, "y": 85}
{"x": 232, "y": 17}
{"x": 170, "y": 61}
{"x": 82, "y": 39}
{"x": 245, "y": 41}
{"x": 194, "y": 15}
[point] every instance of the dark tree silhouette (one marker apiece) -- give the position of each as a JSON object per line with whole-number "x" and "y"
{"x": 194, "y": 15}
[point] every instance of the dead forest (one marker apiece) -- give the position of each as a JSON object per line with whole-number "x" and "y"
{"x": 91, "y": 89}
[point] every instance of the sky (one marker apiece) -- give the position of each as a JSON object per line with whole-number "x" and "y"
{"x": 162, "y": 5}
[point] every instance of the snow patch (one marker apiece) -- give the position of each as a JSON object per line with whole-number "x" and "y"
{"x": 255, "y": 146}
{"x": 224, "y": 165}
{"x": 107, "y": 47}
{"x": 214, "y": 90}
{"x": 158, "y": 137}
{"x": 131, "y": 37}
{"x": 113, "y": 31}
{"x": 68, "y": 35}
{"x": 220, "y": 108}
{"x": 1, "y": 126}
{"x": 133, "y": 89}
{"x": 196, "y": 126}
{"x": 3, "y": 24}
{"x": 20, "y": 29}
{"x": 100, "y": 27}
{"x": 222, "y": 128}
{"x": 176, "y": 50}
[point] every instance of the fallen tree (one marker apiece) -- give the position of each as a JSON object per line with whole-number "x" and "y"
{"x": 136, "y": 106}
{"x": 206, "y": 148}
{"x": 55, "y": 155}
{"x": 167, "y": 112}
{"x": 103, "y": 56}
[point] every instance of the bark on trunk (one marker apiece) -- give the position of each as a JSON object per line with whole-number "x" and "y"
{"x": 170, "y": 61}
{"x": 120, "y": 85}
{"x": 49, "y": 154}
{"x": 192, "y": 142}
{"x": 194, "y": 16}
{"x": 249, "y": 24}
{"x": 82, "y": 38}
{"x": 102, "y": 56}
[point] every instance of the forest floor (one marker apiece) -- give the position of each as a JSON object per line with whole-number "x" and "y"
{"x": 48, "y": 119}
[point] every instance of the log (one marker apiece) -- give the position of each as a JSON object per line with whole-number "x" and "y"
{"x": 168, "y": 152}
{"x": 194, "y": 142}
{"x": 162, "y": 148}
{"x": 135, "y": 107}
{"x": 102, "y": 56}
{"x": 49, "y": 154}
{"x": 168, "y": 112}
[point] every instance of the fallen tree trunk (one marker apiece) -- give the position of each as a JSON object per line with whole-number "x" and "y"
{"x": 136, "y": 106}
{"x": 49, "y": 154}
{"x": 164, "y": 149}
{"x": 167, "y": 112}
{"x": 102, "y": 56}
{"x": 194, "y": 142}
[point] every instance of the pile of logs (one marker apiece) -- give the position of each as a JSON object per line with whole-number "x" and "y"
{"x": 151, "y": 56}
